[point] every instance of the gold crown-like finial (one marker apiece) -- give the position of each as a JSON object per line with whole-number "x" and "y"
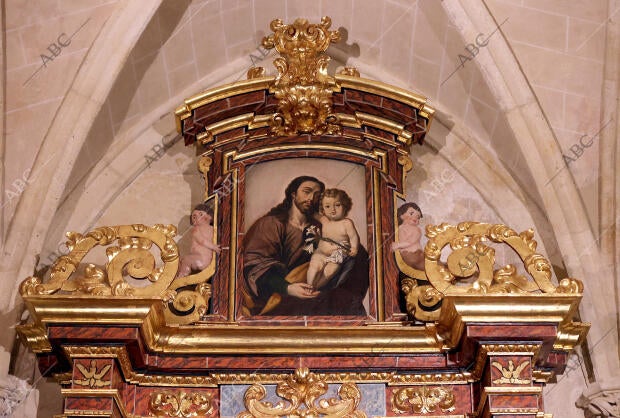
{"x": 302, "y": 86}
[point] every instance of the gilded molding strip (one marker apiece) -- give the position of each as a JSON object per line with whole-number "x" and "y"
{"x": 214, "y": 379}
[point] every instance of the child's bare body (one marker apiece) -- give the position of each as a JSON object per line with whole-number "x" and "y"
{"x": 338, "y": 242}
{"x": 202, "y": 246}
{"x": 409, "y": 235}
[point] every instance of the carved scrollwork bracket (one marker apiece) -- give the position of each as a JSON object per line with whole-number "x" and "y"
{"x": 302, "y": 391}
{"x": 470, "y": 267}
{"x": 132, "y": 270}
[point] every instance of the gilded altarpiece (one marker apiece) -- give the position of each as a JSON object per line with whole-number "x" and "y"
{"x": 263, "y": 329}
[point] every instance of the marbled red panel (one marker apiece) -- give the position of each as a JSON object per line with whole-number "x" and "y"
{"x": 253, "y": 363}
{"x": 516, "y": 370}
{"x": 336, "y": 320}
{"x": 346, "y": 362}
{"x": 48, "y": 364}
{"x": 556, "y": 359}
{"x": 354, "y": 132}
{"x": 338, "y": 99}
{"x": 421, "y": 361}
{"x": 359, "y": 96}
{"x": 81, "y": 333}
{"x": 247, "y": 98}
{"x": 399, "y": 107}
{"x": 233, "y": 133}
{"x": 103, "y": 403}
{"x": 462, "y": 401}
{"x": 208, "y": 109}
{"x": 258, "y": 132}
{"x": 510, "y": 331}
{"x": 271, "y": 100}
{"x": 128, "y": 396}
{"x": 117, "y": 378}
{"x": 364, "y": 108}
{"x": 116, "y": 412}
{"x": 532, "y": 415}
{"x": 380, "y": 133}
{"x": 508, "y": 401}
{"x": 93, "y": 378}
{"x": 229, "y": 113}
{"x": 142, "y": 400}
{"x": 181, "y": 362}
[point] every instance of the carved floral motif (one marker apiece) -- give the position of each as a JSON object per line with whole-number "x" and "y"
{"x": 302, "y": 392}
{"x": 181, "y": 404}
{"x": 422, "y": 400}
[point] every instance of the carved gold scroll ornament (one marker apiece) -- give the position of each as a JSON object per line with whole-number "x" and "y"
{"x": 132, "y": 270}
{"x": 423, "y": 400}
{"x": 470, "y": 267}
{"x": 303, "y": 87}
{"x": 181, "y": 404}
{"x": 301, "y": 392}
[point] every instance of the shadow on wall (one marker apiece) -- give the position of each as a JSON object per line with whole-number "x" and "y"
{"x": 115, "y": 109}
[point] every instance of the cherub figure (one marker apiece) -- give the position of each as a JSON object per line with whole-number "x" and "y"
{"x": 202, "y": 245}
{"x": 339, "y": 240}
{"x": 409, "y": 235}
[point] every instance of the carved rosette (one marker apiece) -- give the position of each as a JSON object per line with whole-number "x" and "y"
{"x": 423, "y": 400}
{"x": 303, "y": 87}
{"x": 302, "y": 392}
{"x": 181, "y": 404}
{"x": 470, "y": 267}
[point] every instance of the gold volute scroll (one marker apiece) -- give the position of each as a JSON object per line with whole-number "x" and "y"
{"x": 303, "y": 87}
{"x": 302, "y": 392}
{"x": 132, "y": 270}
{"x": 471, "y": 255}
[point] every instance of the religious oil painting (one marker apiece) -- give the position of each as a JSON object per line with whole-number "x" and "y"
{"x": 304, "y": 247}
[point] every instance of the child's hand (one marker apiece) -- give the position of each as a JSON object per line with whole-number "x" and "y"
{"x": 217, "y": 249}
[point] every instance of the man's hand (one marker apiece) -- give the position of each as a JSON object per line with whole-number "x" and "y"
{"x": 302, "y": 290}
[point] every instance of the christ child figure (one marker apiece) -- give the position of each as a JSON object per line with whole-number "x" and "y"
{"x": 339, "y": 238}
{"x": 409, "y": 235}
{"x": 202, "y": 245}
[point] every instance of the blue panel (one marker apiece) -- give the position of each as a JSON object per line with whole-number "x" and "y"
{"x": 231, "y": 398}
